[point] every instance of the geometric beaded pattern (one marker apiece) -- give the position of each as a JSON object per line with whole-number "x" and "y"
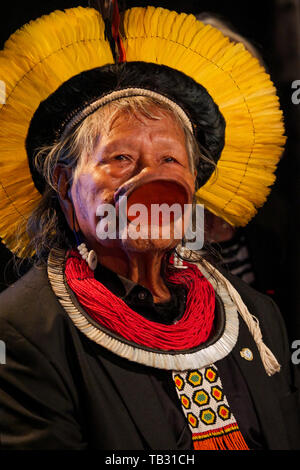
{"x": 204, "y": 402}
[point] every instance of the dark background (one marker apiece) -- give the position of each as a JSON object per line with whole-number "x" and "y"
{"x": 273, "y": 26}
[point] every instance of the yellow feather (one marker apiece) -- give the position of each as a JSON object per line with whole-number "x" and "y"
{"x": 36, "y": 60}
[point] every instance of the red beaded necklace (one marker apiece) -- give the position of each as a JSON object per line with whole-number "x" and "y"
{"x": 111, "y": 312}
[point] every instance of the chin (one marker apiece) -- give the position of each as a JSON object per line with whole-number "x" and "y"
{"x": 141, "y": 245}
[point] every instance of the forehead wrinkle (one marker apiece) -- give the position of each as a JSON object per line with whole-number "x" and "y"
{"x": 151, "y": 112}
{"x": 119, "y": 120}
{"x": 133, "y": 141}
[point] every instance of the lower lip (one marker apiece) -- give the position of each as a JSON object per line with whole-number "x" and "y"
{"x": 157, "y": 192}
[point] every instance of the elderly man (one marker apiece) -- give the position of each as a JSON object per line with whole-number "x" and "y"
{"x": 120, "y": 336}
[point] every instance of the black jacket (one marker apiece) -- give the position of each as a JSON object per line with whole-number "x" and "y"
{"x": 59, "y": 390}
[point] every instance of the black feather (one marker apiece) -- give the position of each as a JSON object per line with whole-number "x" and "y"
{"x": 105, "y": 8}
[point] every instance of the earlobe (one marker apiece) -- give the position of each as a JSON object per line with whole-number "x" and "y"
{"x": 62, "y": 179}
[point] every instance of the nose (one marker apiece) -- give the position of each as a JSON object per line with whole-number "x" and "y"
{"x": 145, "y": 167}
{"x": 143, "y": 174}
{"x": 146, "y": 161}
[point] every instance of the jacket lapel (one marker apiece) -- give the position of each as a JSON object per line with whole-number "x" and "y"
{"x": 136, "y": 389}
{"x": 261, "y": 388}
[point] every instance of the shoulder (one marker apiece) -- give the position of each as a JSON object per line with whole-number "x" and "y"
{"x": 259, "y": 305}
{"x": 271, "y": 324}
{"x": 29, "y": 311}
{"x": 29, "y": 296}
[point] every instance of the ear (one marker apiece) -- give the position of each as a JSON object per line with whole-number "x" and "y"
{"x": 62, "y": 178}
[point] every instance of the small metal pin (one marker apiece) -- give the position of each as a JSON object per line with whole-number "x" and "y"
{"x": 247, "y": 354}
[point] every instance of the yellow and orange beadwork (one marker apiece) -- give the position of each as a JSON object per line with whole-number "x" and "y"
{"x": 207, "y": 411}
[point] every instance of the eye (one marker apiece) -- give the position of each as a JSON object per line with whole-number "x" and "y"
{"x": 121, "y": 157}
{"x": 170, "y": 160}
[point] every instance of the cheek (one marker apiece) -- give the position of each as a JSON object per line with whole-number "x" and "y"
{"x": 88, "y": 192}
{"x": 80, "y": 196}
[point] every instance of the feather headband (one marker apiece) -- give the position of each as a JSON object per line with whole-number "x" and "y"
{"x": 45, "y": 56}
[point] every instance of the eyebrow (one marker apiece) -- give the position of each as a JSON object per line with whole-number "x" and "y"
{"x": 131, "y": 144}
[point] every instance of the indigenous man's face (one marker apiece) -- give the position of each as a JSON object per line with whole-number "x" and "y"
{"x": 135, "y": 152}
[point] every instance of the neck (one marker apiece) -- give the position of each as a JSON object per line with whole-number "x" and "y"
{"x": 144, "y": 268}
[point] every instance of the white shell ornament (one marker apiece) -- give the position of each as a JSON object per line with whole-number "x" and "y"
{"x": 92, "y": 260}
{"x": 89, "y": 256}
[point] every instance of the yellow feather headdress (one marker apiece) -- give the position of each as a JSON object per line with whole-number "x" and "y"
{"x": 47, "y": 52}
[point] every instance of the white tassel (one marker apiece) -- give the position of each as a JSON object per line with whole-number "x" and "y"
{"x": 178, "y": 262}
{"x": 269, "y": 361}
